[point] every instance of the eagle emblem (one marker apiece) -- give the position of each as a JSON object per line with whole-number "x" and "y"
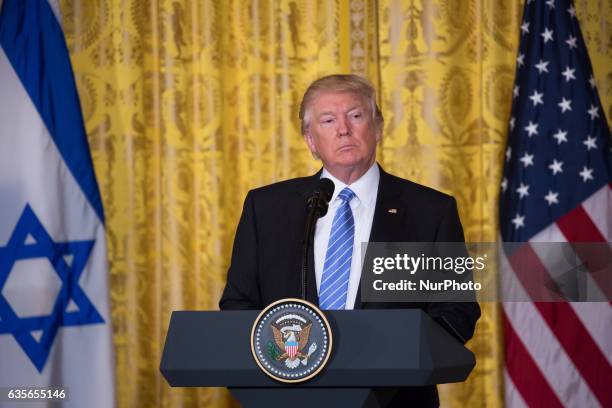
{"x": 291, "y": 333}
{"x": 291, "y": 340}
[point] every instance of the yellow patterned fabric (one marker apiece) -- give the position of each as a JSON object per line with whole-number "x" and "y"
{"x": 189, "y": 104}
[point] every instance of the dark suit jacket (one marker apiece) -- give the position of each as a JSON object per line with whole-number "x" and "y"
{"x": 266, "y": 262}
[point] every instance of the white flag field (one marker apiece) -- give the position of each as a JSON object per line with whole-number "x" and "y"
{"x": 55, "y": 323}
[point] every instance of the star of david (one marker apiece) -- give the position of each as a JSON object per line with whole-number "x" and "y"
{"x": 30, "y": 240}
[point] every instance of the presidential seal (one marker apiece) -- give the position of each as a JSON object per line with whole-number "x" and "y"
{"x": 291, "y": 340}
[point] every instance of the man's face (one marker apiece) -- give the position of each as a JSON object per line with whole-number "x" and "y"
{"x": 342, "y": 133}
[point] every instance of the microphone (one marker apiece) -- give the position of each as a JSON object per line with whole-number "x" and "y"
{"x": 321, "y": 196}
{"x": 318, "y": 204}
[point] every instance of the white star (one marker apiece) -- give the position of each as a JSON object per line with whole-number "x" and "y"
{"x": 590, "y": 143}
{"x": 568, "y": 74}
{"x": 572, "y": 11}
{"x": 532, "y": 128}
{"x": 515, "y": 91}
{"x": 551, "y": 4}
{"x": 512, "y": 122}
{"x": 593, "y": 112}
{"x": 504, "y": 184}
{"x": 556, "y": 167}
{"x": 565, "y": 105}
{"x": 561, "y": 136}
{"x": 518, "y": 221}
{"x": 527, "y": 159}
{"x": 571, "y": 41}
{"x": 523, "y": 190}
{"x": 547, "y": 35}
{"x": 508, "y": 153}
{"x": 586, "y": 174}
{"x": 537, "y": 98}
{"x": 520, "y": 60}
{"x": 525, "y": 27}
{"x": 542, "y": 66}
{"x": 552, "y": 198}
{"x": 592, "y": 81}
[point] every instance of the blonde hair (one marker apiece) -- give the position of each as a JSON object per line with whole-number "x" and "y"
{"x": 341, "y": 83}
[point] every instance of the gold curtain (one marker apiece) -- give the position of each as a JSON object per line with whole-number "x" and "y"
{"x": 189, "y": 104}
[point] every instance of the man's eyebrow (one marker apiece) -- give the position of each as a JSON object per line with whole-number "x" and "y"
{"x": 352, "y": 108}
{"x": 355, "y": 107}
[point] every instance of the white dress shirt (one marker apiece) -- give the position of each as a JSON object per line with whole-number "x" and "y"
{"x": 366, "y": 190}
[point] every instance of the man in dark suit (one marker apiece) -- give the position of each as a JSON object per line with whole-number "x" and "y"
{"x": 342, "y": 125}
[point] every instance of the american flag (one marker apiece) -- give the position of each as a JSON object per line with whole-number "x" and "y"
{"x": 557, "y": 187}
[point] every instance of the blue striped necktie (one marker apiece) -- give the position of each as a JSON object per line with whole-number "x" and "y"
{"x": 337, "y": 267}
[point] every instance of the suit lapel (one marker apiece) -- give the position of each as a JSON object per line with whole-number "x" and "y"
{"x": 388, "y": 218}
{"x": 389, "y": 211}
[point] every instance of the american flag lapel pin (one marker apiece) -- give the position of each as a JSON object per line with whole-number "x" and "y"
{"x": 392, "y": 210}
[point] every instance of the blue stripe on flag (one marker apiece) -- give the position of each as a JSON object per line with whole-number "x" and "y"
{"x": 34, "y": 44}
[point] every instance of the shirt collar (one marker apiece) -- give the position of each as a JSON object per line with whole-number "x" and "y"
{"x": 365, "y": 187}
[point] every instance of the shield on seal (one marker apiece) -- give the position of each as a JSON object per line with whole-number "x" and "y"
{"x": 291, "y": 347}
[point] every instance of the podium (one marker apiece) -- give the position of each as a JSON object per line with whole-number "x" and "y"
{"x": 371, "y": 348}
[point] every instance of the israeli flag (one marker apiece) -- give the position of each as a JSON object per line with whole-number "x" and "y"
{"x": 55, "y": 327}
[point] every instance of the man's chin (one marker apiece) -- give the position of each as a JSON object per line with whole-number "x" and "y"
{"x": 349, "y": 157}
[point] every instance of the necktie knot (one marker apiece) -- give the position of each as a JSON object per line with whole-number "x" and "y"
{"x": 346, "y": 195}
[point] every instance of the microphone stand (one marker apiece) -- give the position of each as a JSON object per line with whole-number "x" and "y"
{"x": 318, "y": 207}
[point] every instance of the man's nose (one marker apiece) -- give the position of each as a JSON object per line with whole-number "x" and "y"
{"x": 343, "y": 127}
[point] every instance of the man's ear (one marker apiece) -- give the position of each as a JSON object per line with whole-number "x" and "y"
{"x": 310, "y": 142}
{"x": 311, "y": 145}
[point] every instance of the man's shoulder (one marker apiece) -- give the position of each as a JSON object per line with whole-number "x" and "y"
{"x": 300, "y": 185}
{"x": 417, "y": 192}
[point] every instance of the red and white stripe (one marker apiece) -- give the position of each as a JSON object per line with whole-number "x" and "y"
{"x": 291, "y": 351}
{"x": 560, "y": 354}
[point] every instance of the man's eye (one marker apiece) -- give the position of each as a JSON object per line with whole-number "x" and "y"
{"x": 357, "y": 115}
{"x": 327, "y": 121}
